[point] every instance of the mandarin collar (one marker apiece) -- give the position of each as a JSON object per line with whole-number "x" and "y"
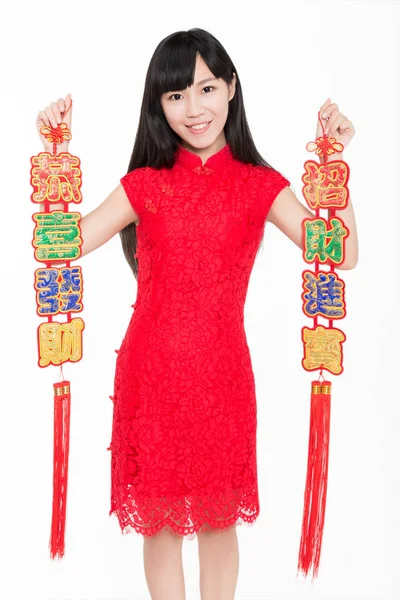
{"x": 193, "y": 162}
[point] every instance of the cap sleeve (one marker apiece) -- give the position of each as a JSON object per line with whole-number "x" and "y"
{"x": 134, "y": 186}
{"x": 272, "y": 183}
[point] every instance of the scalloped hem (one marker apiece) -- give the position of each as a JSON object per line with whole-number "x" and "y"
{"x": 189, "y": 533}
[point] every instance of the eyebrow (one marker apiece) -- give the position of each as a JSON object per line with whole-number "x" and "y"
{"x": 205, "y": 80}
{"x": 202, "y": 81}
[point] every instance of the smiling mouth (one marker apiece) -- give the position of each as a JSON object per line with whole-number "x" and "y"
{"x": 197, "y": 127}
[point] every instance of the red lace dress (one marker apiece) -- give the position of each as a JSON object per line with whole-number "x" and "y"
{"x": 183, "y": 448}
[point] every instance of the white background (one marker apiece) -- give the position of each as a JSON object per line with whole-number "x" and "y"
{"x": 290, "y": 57}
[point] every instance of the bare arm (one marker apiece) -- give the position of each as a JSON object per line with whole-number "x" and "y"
{"x": 102, "y": 223}
{"x": 112, "y": 215}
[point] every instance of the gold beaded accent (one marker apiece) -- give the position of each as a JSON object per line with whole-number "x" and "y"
{"x": 61, "y": 391}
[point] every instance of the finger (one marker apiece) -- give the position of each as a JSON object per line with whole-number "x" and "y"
{"x": 51, "y": 116}
{"x": 56, "y": 111}
{"x": 67, "y": 113}
{"x": 325, "y": 106}
{"x": 331, "y": 114}
{"x": 334, "y": 119}
{"x": 68, "y": 101}
{"x": 61, "y": 104}
{"x": 334, "y": 123}
{"x": 327, "y": 114}
{"x": 42, "y": 119}
{"x": 346, "y": 124}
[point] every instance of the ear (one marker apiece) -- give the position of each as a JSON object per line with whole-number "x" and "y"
{"x": 232, "y": 87}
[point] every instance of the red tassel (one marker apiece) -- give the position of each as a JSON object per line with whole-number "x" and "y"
{"x": 317, "y": 478}
{"x": 62, "y": 409}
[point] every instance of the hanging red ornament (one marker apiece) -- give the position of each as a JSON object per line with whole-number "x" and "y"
{"x": 325, "y": 187}
{"x": 56, "y": 178}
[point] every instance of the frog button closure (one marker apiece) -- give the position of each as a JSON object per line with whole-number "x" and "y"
{"x": 203, "y": 170}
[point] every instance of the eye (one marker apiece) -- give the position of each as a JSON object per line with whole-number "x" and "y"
{"x": 204, "y": 88}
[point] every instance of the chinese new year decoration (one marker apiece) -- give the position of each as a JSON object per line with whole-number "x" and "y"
{"x": 325, "y": 188}
{"x": 56, "y": 178}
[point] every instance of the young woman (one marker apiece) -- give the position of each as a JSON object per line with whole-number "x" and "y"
{"x": 191, "y": 213}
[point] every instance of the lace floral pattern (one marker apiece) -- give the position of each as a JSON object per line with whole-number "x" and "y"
{"x": 183, "y": 447}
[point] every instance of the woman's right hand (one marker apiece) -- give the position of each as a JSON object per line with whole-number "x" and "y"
{"x": 51, "y": 116}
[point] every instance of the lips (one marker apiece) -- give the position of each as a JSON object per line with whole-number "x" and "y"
{"x": 200, "y": 131}
{"x": 195, "y": 124}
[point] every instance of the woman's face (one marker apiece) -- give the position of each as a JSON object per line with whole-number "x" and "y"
{"x": 203, "y": 102}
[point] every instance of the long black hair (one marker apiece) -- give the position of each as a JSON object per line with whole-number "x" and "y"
{"x": 172, "y": 67}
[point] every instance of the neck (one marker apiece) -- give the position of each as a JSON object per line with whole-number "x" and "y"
{"x": 205, "y": 153}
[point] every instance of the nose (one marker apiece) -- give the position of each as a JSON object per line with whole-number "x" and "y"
{"x": 194, "y": 107}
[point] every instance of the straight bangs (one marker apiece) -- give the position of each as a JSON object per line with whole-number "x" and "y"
{"x": 174, "y": 66}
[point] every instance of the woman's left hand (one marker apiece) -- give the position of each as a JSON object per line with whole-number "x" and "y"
{"x": 335, "y": 123}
